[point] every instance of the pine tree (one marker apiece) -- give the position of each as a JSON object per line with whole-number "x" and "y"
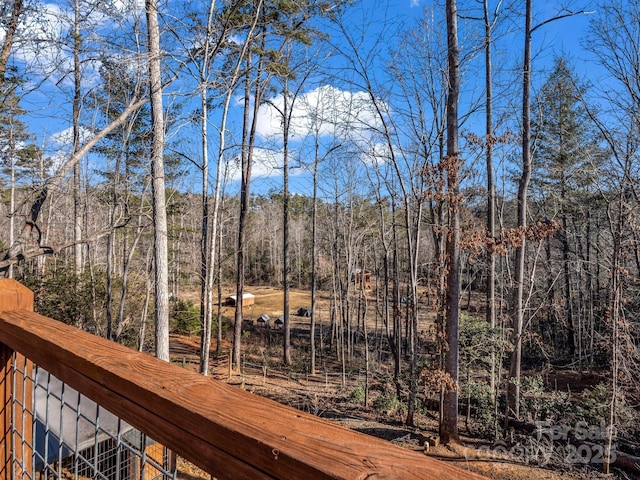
{"x": 565, "y": 152}
{"x": 125, "y": 150}
{"x": 15, "y": 151}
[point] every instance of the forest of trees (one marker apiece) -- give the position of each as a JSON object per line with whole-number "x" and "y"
{"x": 154, "y": 148}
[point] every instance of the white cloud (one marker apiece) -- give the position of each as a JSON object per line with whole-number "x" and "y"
{"x": 60, "y": 146}
{"x": 235, "y": 39}
{"x": 415, "y": 3}
{"x": 43, "y": 37}
{"x": 64, "y": 138}
{"x": 39, "y": 43}
{"x": 325, "y": 111}
{"x": 266, "y": 163}
{"x": 377, "y": 154}
{"x": 128, "y": 6}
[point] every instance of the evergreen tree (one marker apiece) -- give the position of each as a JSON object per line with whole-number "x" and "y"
{"x": 125, "y": 150}
{"x": 127, "y": 146}
{"x": 565, "y": 144}
{"x": 281, "y": 24}
{"x": 14, "y": 137}
{"x": 565, "y": 152}
{"x": 15, "y": 151}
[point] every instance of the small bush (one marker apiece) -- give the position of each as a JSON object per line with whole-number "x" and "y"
{"x": 387, "y": 403}
{"x": 478, "y": 395}
{"x": 537, "y": 405}
{"x": 595, "y": 409}
{"x": 357, "y": 395}
{"x": 186, "y": 317}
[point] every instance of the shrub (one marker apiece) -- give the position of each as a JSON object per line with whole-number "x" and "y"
{"x": 536, "y": 404}
{"x": 387, "y": 403}
{"x": 357, "y": 395}
{"x": 595, "y": 405}
{"x": 186, "y": 317}
{"x": 480, "y": 345}
{"x": 478, "y": 395}
{"x": 68, "y": 298}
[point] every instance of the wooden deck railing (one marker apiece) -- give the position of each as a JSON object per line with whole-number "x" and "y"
{"x": 228, "y": 432}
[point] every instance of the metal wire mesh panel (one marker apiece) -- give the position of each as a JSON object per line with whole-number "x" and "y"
{"x": 19, "y": 381}
{"x": 59, "y": 433}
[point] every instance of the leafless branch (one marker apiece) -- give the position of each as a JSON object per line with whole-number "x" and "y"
{"x": 34, "y": 249}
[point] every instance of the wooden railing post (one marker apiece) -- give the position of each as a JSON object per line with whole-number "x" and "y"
{"x": 15, "y": 296}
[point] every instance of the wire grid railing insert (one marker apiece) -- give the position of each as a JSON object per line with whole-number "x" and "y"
{"x": 75, "y": 438}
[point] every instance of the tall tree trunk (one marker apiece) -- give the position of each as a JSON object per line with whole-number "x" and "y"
{"x": 108, "y": 299}
{"x": 582, "y": 308}
{"x": 285, "y": 230}
{"x": 161, "y": 257}
{"x": 314, "y": 261}
{"x": 614, "y": 315}
{"x": 397, "y": 320}
{"x": 386, "y": 293}
{"x": 126, "y": 267}
{"x": 568, "y": 301}
{"x": 412, "y": 311}
{"x": 513, "y": 385}
{"x": 491, "y": 188}
{"x": 245, "y": 183}
{"x": 549, "y": 329}
{"x": 9, "y": 36}
{"x": 77, "y": 77}
{"x": 205, "y": 258}
{"x": 590, "y": 303}
{"x": 449, "y": 424}
{"x": 207, "y": 243}
{"x": 248, "y": 142}
{"x": 219, "y": 305}
{"x": 12, "y": 194}
{"x": 145, "y": 306}
{"x": 209, "y": 272}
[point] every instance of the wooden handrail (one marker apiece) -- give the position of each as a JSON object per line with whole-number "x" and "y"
{"x": 15, "y": 394}
{"x": 226, "y": 431}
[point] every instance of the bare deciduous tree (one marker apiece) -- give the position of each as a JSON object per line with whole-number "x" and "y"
{"x": 161, "y": 257}
{"x": 449, "y": 423}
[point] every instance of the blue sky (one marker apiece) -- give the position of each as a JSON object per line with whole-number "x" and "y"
{"x": 561, "y": 37}
{"x": 50, "y": 104}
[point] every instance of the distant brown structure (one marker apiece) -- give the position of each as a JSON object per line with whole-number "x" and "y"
{"x": 247, "y": 299}
{"x": 363, "y": 279}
